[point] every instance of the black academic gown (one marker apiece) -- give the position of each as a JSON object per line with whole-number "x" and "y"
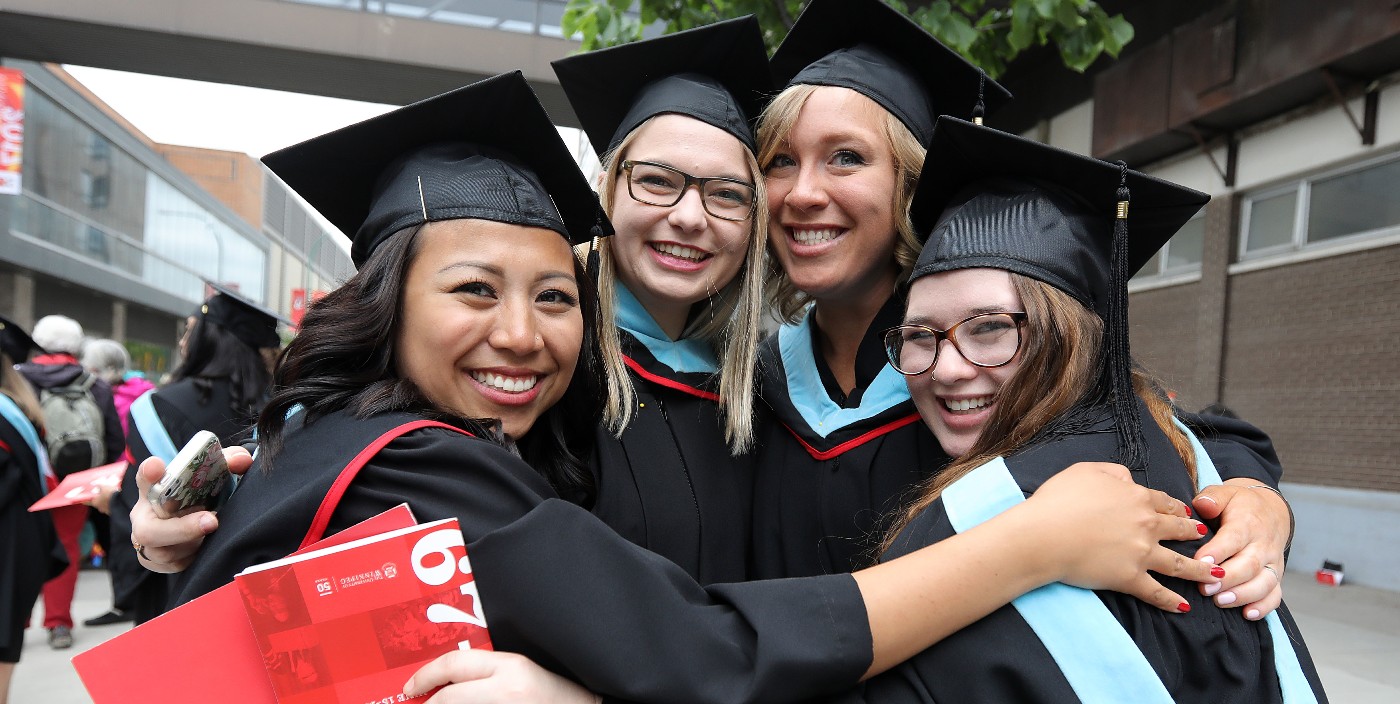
{"x": 830, "y": 467}
{"x": 669, "y": 484}
{"x": 556, "y": 584}
{"x": 29, "y": 552}
{"x": 1209, "y": 654}
{"x": 182, "y": 414}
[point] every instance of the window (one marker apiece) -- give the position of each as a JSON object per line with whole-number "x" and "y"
{"x": 1352, "y": 203}
{"x": 1182, "y": 253}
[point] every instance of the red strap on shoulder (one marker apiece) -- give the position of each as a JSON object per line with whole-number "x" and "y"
{"x": 347, "y": 475}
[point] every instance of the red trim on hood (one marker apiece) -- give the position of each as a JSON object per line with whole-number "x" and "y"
{"x": 668, "y": 383}
{"x": 854, "y": 442}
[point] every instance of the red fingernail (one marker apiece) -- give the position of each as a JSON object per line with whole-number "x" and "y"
{"x": 1188, "y": 510}
{"x": 1217, "y": 572}
{"x": 1183, "y": 607}
{"x": 1201, "y": 528}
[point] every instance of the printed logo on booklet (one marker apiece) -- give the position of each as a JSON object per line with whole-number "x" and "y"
{"x": 348, "y": 624}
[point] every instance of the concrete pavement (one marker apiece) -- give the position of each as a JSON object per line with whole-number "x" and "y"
{"x": 1353, "y": 632}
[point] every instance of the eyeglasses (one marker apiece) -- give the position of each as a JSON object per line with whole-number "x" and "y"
{"x": 986, "y": 340}
{"x": 657, "y": 184}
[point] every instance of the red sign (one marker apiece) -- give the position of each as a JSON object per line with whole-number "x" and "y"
{"x": 11, "y": 129}
{"x": 298, "y": 306}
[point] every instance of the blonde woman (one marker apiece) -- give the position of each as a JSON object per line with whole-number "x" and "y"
{"x": 681, "y": 284}
{"x": 842, "y": 146}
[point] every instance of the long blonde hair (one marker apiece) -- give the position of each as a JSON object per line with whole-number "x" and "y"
{"x": 1060, "y": 370}
{"x": 14, "y": 385}
{"x": 729, "y": 320}
{"x": 773, "y": 128}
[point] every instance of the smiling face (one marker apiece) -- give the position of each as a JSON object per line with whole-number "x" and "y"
{"x": 673, "y": 257}
{"x": 491, "y": 325}
{"x": 955, "y": 397}
{"x": 831, "y": 189}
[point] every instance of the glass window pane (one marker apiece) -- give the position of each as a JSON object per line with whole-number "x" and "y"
{"x": 1271, "y": 221}
{"x": 1184, "y": 250}
{"x": 1153, "y": 267}
{"x": 1360, "y": 201}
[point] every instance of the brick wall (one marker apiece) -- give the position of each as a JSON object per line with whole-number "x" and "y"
{"x": 1311, "y": 357}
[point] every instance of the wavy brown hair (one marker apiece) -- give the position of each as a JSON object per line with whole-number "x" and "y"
{"x": 1061, "y": 373}
{"x": 343, "y": 359}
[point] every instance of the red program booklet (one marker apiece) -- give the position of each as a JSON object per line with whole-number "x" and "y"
{"x": 204, "y": 650}
{"x": 351, "y": 623}
{"x": 79, "y": 487}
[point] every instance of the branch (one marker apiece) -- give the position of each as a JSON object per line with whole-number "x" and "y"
{"x": 781, "y": 7}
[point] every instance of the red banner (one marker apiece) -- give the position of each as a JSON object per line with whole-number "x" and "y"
{"x": 11, "y": 129}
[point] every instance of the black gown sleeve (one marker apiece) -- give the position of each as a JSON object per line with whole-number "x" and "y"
{"x": 562, "y": 588}
{"x": 1239, "y": 449}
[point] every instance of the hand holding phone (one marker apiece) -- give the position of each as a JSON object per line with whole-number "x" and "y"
{"x": 195, "y": 478}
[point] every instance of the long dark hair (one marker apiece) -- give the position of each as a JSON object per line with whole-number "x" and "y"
{"x": 212, "y": 352}
{"x": 343, "y": 359}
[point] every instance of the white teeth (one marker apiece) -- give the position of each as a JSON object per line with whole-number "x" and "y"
{"x": 814, "y": 236}
{"x": 967, "y": 404}
{"x": 680, "y": 251}
{"x": 510, "y": 384}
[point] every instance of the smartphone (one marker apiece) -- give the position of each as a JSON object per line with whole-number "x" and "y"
{"x": 195, "y": 478}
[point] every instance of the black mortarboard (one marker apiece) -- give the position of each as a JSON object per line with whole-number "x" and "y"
{"x": 15, "y": 342}
{"x": 991, "y": 199}
{"x": 253, "y": 324}
{"x": 486, "y": 151}
{"x": 877, "y": 51}
{"x": 717, "y": 74}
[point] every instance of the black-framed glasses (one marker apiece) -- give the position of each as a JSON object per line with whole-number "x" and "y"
{"x": 658, "y": 184}
{"x": 986, "y": 340}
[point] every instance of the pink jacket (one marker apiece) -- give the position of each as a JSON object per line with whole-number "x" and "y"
{"x": 125, "y": 393}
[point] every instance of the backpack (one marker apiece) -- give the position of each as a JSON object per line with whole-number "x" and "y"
{"x": 73, "y": 426}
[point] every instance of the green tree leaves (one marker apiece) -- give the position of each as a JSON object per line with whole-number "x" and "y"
{"x": 989, "y": 33}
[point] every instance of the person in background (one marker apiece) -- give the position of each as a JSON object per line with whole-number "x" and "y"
{"x": 30, "y": 553}
{"x": 91, "y": 421}
{"x": 220, "y": 385}
{"x": 110, "y": 362}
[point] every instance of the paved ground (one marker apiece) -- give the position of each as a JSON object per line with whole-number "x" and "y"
{"x": 1354, "y": 634}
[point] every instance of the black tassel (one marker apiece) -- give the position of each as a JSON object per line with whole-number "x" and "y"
{"x": 1131, "y": 442}
{"x": 980, "y": 109}
{"x": 602, "y": 227}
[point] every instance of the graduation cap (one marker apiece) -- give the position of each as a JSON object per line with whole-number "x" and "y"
{"x": 486, "y": 151}
{"x": 15, "y": 342}
{"x": 877, "y": 51}
{"x": 991, "y": 199}
{"x": 255, "y": 325}
{"x": 717, "y": 74}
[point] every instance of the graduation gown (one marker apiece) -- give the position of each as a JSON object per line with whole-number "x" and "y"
{"x": 670, "y": 484}
{"x": 161, "y": 423}
{"x": 29, "y": 553}
{"x": 832, "y": 469}
{"x": 1062, "y": 644}
{"x": 556, "y": 583}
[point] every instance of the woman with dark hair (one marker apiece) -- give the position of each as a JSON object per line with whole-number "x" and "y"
{"x": 1014, "y": 344}
{"x": 30, "y": 554}
{"x": 465, "y": 337}
{"x": 220, "y": 385}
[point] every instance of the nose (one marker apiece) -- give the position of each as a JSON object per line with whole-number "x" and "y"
{"x": 516, "y": 329}
{"x": 688, "y": 215}
{"x": 808, "y": 190}
{"x": 951, "y": 366}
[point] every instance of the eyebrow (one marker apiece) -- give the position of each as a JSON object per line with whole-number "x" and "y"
{"x": 731, "y": 175}
{"x": 981, "y": 310}
{"x": 498, "y": 271}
